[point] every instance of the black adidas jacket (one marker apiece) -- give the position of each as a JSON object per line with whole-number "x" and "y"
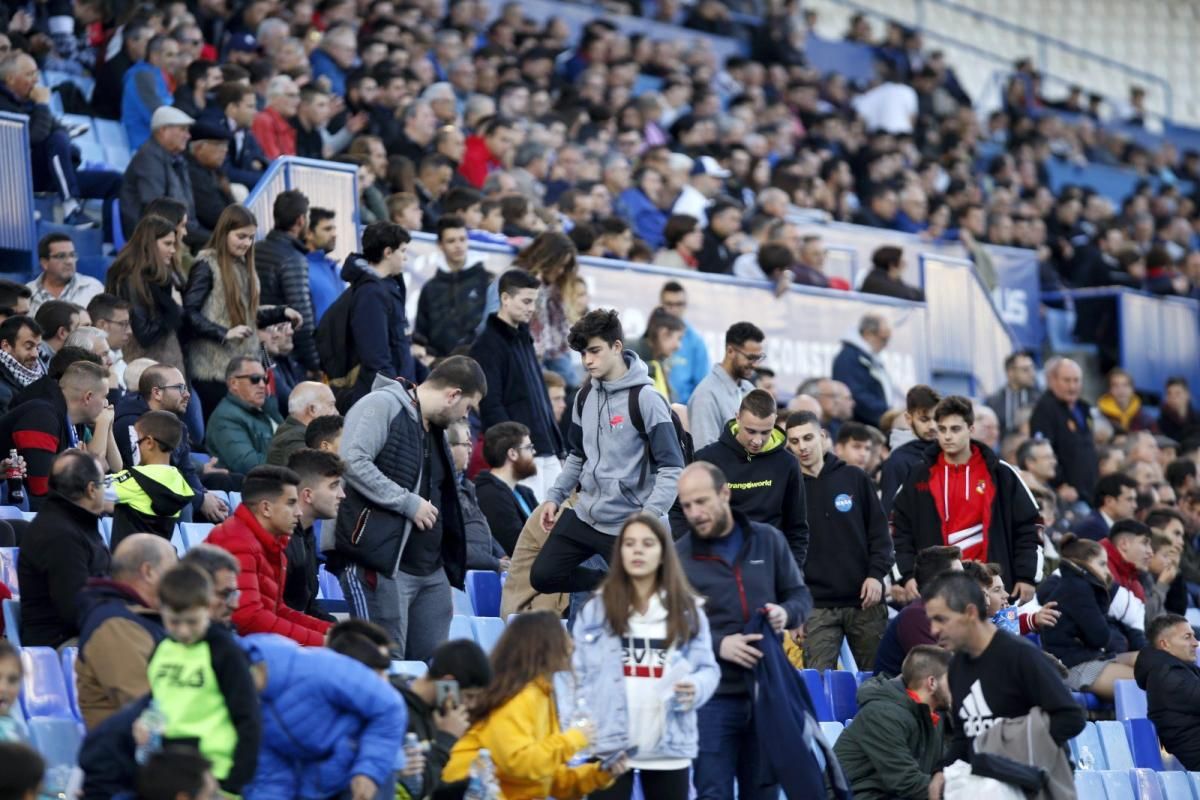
{"x": 849, "y": 539}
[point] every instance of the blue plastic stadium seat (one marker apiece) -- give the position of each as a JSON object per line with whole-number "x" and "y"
{"x": 235, "y": 500}
{"x": 8, "y": 570}
{"x": 1146, "y": 784}
{"x": 69, "y": 656}
{"x": 484, "y": 590}
{"x": 1090, "y": 701}
{"x": 832, "y": 731}
{"x": 12, "y": 621}
{"x": 11, "y": 512}
{"x": 1118, "y": 785}
{"x": 1176, "y": 786}
{"x": 196, "y": 532}
{"x": 1116, "y": 747}
{"x": 816, "y": 691}
{"x": 1143, "y": 741}
{"x": 1130, "y": 700}
{"x": 462, "y": 603}
{"x": 57, "y": 740}
{"x": 862, "y": 677}
{"x": 94, "y": 266}
{"x": 179, "y": 541}
{"x": 487, "y": 631}
{"x": 461, "y": 628}
{"x": 90, "y": 150}
{"x": 117, "y": 234}
{"x": 1089, "y": 785}
{"x": 413, "y": 669}
{"x": 110, "y": 132}
{"x": 106, "y": 526}
{"x": 846, "y": 657}
{"x": 43, "y": 690}
{"x": 329, "y": 590}
{"x": 1089, "y": 737}
{"x": 842, "y": 689}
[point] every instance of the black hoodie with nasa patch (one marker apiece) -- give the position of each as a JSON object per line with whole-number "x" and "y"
{"x": 849, "y": 539}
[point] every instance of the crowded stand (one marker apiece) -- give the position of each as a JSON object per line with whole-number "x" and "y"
{"x": 427, "y": 400}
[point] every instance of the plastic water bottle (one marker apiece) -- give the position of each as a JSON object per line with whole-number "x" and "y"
{"x": 154, "y": 721}
{"x": 1086, "y": 760}
{"x": 413, "y": 783}
{"x": 56, "y": 782}
{"x": 482, "y": 783}
{"x": 16, "y": 484}
{"x": 582, "y": 719}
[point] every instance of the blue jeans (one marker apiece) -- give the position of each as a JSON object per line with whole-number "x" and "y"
{"x": 728, "y": 751}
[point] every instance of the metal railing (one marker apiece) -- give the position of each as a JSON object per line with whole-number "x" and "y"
{"x": 327, "y": 184}
{"x": 18, "y": 220}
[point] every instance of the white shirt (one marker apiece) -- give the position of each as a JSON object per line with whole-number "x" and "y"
{"x": 890, "y": 107}
{"x": 692, "y": 203}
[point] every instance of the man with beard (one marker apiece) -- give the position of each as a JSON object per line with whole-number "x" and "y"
{"x": 504, "y": 501}
{"x": 162, "y": 388}
{"x": 505, "y": 351}
{"x": 320, "y": 493}
{"x": 716, "y": 400}
{"x": 739, "y": 567}
{"x": 20, "y": 366}
{"x": 398, "y": 574}
{"x": 324, "y": 275}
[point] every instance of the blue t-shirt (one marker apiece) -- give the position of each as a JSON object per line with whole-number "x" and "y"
{"x": 325, "y": 283}
{"x": 728, "y": 547}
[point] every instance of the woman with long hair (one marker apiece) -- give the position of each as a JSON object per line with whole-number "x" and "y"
{"x": 644, "y": 662}
{"x": 144, "y": 275}
{"x": 1086, "y": 639}
{"x": 516, "y": 719}
{"x": 220, "y": 305}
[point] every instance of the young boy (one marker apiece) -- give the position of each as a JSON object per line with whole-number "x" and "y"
{"x": 200, "y": 680}
{"x": 908, "y": 446}
{"x": 493, "y": 219}
{"x": 405, "y": 210}
{"x": 150, "y": 495}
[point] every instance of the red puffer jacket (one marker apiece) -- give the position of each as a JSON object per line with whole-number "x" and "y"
{"x": 264, "y": 567}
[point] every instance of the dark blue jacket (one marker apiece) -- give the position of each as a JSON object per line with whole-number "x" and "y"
{"x": 783, "y": 712}
{"x": 107, "y": 755}
{"x": 646, "y": 218}
{"x": 129, "y": 408}
{"x": 763, "y": 572}
{"x": 326, "y": 718}
{"x": 895, "y": 469}
{"x": 851, "y": 366}
{"x": 1084, "y": 632}
{"x": 378, "y": 326}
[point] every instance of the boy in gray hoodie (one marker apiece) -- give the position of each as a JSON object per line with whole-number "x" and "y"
{"x": 619, "y": 468}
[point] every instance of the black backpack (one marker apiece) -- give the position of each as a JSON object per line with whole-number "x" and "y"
{"x": 639, "y": 425}
{"x": 334, "y": 338}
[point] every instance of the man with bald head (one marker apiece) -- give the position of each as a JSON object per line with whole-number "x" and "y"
{"x": 119, "y": 627}
{"x": 308, "y": 400}
{"x": 736, "y": 564}
{"x": 61, "y": 549}
{"x": 837, "y": 405}
{"x": 1065, "y": 421}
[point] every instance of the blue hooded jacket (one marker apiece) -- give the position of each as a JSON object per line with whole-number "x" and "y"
{"x": 326, "y": 718}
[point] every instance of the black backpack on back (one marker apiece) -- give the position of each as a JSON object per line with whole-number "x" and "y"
{"x": 639, "y": 425}
{"x": 334, "y": 338}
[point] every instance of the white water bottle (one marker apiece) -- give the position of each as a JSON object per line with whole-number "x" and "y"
{"x": 482, "y": 783}
{"x": 412, "y": 749}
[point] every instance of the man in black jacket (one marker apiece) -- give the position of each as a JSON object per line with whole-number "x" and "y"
{"x": 994, "y": 675}
{"x": 378, "y": 320}
{"x": 439, "y": 726}
{"x": 763, "y": 477}
{"x": 721, "y": 237}
{"x": 850, "y": 552}
{"x": 505, "y": 502}
{"x": 235, "y": 109}
{"x": 505, "y": 351}
{"x": 452, "y": 302}
{"x": 320, "y": 493}
{"x": 1167, "y": 671}
{"x": 60, "y": 550}
{"x": 740, "y": 567}
{"x": 919, "y": 402}
{"x": 281, "y": 261}
{"x": 1064, "y": 420}
{"x": 963, "y": 496}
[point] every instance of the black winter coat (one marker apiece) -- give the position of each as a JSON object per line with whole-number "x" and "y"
{"x": 1173, "y": 702}
{"x": 516, "y": 391}
{"x": 378, "y": 326}
{"x": 896, "y": 468}
{"x": 1013, "y": 540}
{"x": 451, "y": 306}
{"x": 850, "y": 541}
{"x": 504, "y": 514}
{"x": 281, "y": 261}
{"x": 1083, "y": 632}
{"x": 1073, "y": 444}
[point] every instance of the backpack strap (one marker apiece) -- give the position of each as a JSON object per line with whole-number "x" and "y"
{"x": 581, "y": 398}
{"x": 635, "y": 411}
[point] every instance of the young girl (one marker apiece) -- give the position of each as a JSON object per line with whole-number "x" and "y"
{"x": 516, "y": 720}
{"x": 144, "y": 275}
{"x": 12, "y": 726}
{"x": 644, "y": 662}
{"x": 1084, "y": 638}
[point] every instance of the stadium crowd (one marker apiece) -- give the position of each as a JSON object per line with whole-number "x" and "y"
{"x": 701, "y": 530}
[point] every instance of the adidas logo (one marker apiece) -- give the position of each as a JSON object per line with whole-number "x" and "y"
{"x": 975, "y": 713}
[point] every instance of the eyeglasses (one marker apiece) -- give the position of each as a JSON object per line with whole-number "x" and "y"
{"x": 254, "y": 379}
{"x": 182, "y": 388}
{"x": 753, "y": 358}
{"x": 229, "y": 595}
{"x": 526, "y": 448}
{"x": 158, "y": 442}
{"x": 460, "y": 444}
{"x": 64, "y": 256}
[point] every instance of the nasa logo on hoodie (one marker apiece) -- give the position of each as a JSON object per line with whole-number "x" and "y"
{"x": 843, "y": 503}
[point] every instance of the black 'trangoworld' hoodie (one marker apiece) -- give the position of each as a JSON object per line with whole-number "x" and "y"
{"x": 849, "y": 540}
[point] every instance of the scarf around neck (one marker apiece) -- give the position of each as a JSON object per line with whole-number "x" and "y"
{"x": 21, "y": 374}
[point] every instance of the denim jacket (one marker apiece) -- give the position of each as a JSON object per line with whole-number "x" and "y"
{"x": 599, "y": 674}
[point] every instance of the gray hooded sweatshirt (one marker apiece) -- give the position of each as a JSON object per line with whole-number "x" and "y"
{"x": 607, "y": 453}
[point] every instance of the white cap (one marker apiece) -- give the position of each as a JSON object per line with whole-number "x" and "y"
{"x": 169, "y": 115}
